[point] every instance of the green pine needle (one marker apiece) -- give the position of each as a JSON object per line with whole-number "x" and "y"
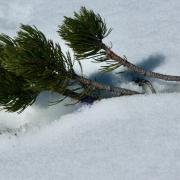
{"x": 84, "y": 33}
{"x": 14, "y": 93}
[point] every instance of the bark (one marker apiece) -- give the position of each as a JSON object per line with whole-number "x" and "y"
{"x": 134, "y": 68}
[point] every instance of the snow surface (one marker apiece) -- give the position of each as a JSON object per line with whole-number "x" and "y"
{"x": 119, "y": 138}
{"x": 126, "y": 138}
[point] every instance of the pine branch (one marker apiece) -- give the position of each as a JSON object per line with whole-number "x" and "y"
{"x": 84, "y": 34}
{"x": 116, "y": 90}
{"x": 32, "y": 64}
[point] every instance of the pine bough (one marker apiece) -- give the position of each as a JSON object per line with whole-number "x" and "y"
{"x": 30, "y": 63}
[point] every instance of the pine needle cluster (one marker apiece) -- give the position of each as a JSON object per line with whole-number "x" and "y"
{"x": 84, "y": 33}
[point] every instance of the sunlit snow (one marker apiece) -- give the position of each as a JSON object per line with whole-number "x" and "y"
{"x": 128, "y": 138}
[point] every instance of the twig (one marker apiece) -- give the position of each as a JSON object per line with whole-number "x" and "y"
{"x": 143, "y": 82}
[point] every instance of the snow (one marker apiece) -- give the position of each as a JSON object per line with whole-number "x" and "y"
{"x": 119, "y": 138}
{"x": 125, "y": 138}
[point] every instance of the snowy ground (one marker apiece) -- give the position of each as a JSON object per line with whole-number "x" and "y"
{"x": 120, "y": 138}
{"x": 128, "y": 138}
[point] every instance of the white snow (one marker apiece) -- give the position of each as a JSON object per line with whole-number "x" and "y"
{"x": 128, "y": 138}
{"x": 119, "y": 138}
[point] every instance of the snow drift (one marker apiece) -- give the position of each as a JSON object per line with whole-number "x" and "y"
{"x": 120, "y": 138}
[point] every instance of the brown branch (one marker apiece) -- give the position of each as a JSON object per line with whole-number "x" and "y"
{"x": 95, "y": 85}
{"x": 117, "y": 90}
{"x": 111, "y": 55}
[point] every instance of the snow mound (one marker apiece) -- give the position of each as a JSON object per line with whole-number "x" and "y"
{"x": 120, "y": 138}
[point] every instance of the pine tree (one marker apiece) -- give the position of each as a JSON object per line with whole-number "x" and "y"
{"x": 30, "y": 63}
